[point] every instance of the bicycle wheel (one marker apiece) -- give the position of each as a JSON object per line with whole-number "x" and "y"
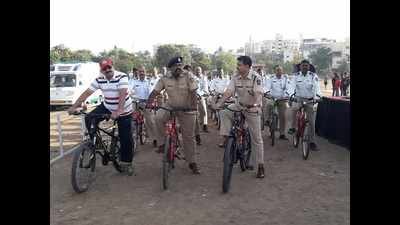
{"x": 115, "y": 147}
{"x": 218, "y": 121}
{"x": 228, "y": 165}
{"x": 142, "y": 136}
{"x": 273, "y": 128}
{"x": 305, "y": 144}
{"x": 262, "y": 121}
{"x": 83, "y": 167}
{"x": 246, "y": 152}
{"x": 166, "y": 163}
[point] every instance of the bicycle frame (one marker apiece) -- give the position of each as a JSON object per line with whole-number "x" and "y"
{"x": 96, "y": 135}
{"x": 170, "y": 130}
{"x": 238, "y": 132}
{"x": 301, "y": 119}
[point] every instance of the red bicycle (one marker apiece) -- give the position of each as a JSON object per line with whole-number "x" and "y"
{"x": 171, "y": 145}
{"x": 138, "y": 130}
{"x": 302, "y": 134}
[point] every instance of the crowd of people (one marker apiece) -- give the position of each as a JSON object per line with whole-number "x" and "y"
{"x": 179, "y": 86}
{"x": 340, "y": 84}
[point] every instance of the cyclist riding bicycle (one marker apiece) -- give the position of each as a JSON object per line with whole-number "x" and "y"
{"x": 305, "y": 86}
{"x": 140, "y": 89}
{"x": 117, "y": 103}
{"x": 248, "y": 86}
{"x": 278, "y": 87}
{"x": 181, "y": 88}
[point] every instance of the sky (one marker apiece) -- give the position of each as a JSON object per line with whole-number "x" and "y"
{"x": 137, "y": 25}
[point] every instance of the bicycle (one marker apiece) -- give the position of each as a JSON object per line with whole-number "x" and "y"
{"x": 273, "y": 120}
{"x": 84, "y": 158}
{"x": 238, "y": 148}
{"x": 138, "y": 128}
{"x": 215, "y": 112}
{"x": 302, "y": 135}
{"x": 172, "y": 145}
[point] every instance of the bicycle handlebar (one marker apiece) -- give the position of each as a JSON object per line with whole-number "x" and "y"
{"x": 174, "y": 110}
{"x": 237, "y": 111}
{"x": 275, "y": 99}
{"x": 97, "y": 115}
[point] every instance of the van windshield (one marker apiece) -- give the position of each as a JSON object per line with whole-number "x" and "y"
{"x": 63, "y": 80}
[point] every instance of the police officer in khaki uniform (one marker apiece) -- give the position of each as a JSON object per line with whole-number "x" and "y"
{"x": 189, "y": 69}
{"x": 278, "y": 87}
{"x": 247, "y": 85}
{"x": 305, "y": 86}
{"x": 181, "y": 88}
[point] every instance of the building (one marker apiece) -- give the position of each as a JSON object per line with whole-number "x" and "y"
{"x": 337, "y": 57}
{"x": 309, "y": 45}
{"x": 277, "y": 48}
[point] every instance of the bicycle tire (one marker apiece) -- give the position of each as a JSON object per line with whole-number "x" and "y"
{"x": 262, "y": 121}
{"x": 142, "y": 137}
{"x": 218, "y": 121}
{"x": 273, "y": 128}
{"x": 166, "y": 163}
{"x": 115, "y": 147}
{"x": 305, "y": 144}
{"x": 79, "y": 154}
{"x": 247, "y": 152}
{"x": 228, "y": 165}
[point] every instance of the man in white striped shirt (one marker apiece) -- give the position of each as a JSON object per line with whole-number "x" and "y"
{"x": 117, "y": 102}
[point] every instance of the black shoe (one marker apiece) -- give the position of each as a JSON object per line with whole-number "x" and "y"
{"x": 205, "y": 128}
{"x": 260, "y": 172}
{"x": 313, "y": 147}
{"x": 198, "y": 140}
{"x": 155, "y": 143}
{"x": 249, "y": 167}
{"x": 283, "y": 137}
{"x": 194, "y": 168}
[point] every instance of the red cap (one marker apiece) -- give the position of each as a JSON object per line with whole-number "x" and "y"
{"x": 105, "y": 62}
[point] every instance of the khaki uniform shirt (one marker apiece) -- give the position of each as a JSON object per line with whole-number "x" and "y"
{"x": 249, "y": 89}
{"x": 178, "y": 90}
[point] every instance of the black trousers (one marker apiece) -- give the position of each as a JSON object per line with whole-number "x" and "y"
{"x": 124, "y": 131}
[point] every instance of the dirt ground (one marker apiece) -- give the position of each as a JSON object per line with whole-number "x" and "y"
{"x": 294, "y": 191}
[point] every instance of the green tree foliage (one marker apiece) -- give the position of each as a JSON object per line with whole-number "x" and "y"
{"x": 225, "y": 61}
{"x": 343, "y": 67}
{"x": 321, "y": 58}
{"x": 166, "y": 52}
{"x": 82, "y": 55}
{"x": 60, "y": 53}
{"x": 199, "y": 58}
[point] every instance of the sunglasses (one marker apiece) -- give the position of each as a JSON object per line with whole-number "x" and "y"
{"x": 106, "y": 68}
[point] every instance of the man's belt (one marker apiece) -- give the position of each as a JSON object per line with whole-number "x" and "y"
{"x": 249, "y": 106}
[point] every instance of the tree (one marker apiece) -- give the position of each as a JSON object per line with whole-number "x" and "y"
{"x": 265, "y": 59}
{"x": 199, "y": 58}
{"x": 288, "y": 67}
{"x": 82, "y": 55}
{"x": 225, "y": 61}
{"x": 321, "y": 58}
{"x": 166, "y": 52}
{"x": 60, "y": 53}
{"x": 143, "y": 58}
{"x": 343, "y": 66}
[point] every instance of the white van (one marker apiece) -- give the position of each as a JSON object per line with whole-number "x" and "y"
{"x": 69, "y": 81}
